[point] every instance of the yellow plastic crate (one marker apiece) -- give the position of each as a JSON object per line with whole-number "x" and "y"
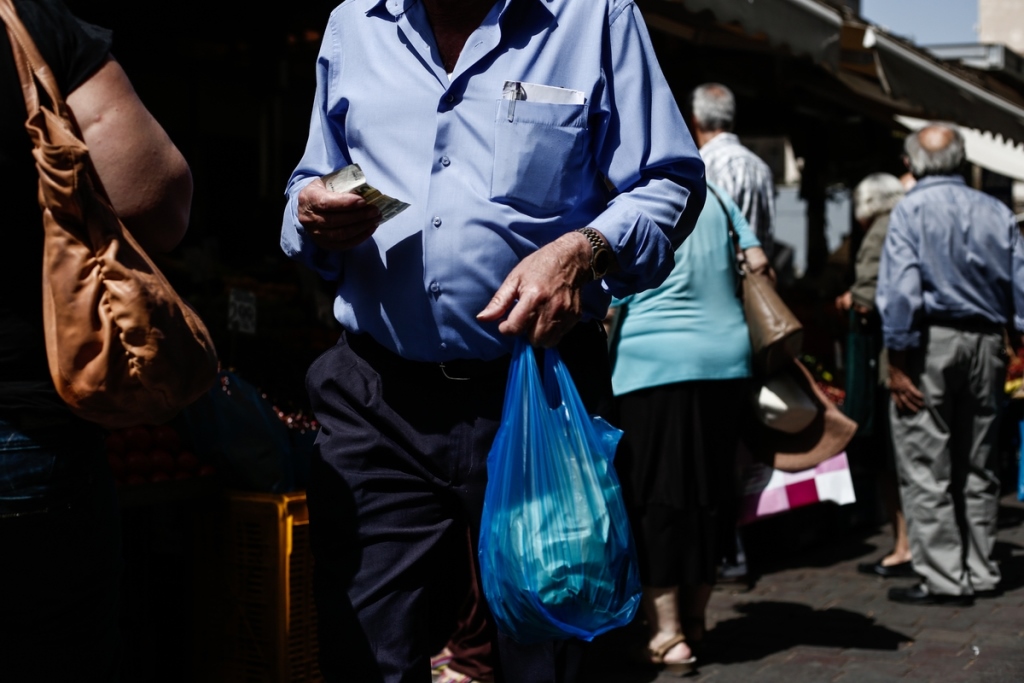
{"x": 271, "y": 627}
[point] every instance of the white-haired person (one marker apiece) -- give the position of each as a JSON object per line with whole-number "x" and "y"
{"x": 950, "y": 286}
{"x": 873, "y": 200}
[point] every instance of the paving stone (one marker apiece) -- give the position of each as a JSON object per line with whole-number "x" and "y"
{"x": 944, "y": 636}
{"x": 897, "y": 655}
{"x": 1000, "y": 640}
{"x": 864, "y": 677}
{"x": 998, "y": 655}
{"x": 964, "y": 621}
{"x": 869, "y": 671}
{"x": 937, "y": 651}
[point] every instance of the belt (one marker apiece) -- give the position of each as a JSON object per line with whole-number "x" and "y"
{"x": 976, "y": 325}
{"x": 463, "y": 369}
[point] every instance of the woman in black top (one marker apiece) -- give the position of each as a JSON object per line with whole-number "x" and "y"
{"x": 58, "y": 516}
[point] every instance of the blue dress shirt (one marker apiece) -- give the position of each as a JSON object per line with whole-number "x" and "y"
{"x": 951, "y": 254}
{"x": 489, "y": 183}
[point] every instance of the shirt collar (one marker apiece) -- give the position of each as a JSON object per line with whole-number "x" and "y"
{"x": 398, "y": 7}
{"x": 393, "y": 7}
{"x": 933, "y": 180}
{"x": 722, "y": 139}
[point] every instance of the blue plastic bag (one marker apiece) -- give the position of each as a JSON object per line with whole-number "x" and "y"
{"x": 557, "y": 558}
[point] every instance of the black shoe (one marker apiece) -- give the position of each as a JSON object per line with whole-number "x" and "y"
{"x": 919, "y": 595}
{"x": 989, "y": 593}
{"x": 903, "y": 570}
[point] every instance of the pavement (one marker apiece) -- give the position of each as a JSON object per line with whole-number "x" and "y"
{"x": 807, "y": 615}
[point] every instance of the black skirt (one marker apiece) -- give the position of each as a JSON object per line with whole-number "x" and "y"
{"x": 677, "y": 465}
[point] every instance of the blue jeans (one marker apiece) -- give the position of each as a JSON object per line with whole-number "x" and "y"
{"x": 59, "y": 555}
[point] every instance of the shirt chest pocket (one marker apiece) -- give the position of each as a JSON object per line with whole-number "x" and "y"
{"x": 539, "y": 155}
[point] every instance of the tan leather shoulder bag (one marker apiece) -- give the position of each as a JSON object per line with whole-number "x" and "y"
{"x": 123, "y": 347}
{"x": 776, "y": 335}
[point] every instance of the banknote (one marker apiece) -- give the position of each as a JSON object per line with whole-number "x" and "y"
{"x": 351, "y": 179}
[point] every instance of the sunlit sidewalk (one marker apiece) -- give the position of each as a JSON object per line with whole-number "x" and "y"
{"x": 809, "y": 616}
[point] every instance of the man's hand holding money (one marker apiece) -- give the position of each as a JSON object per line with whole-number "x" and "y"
{"x": 336, "y": 220}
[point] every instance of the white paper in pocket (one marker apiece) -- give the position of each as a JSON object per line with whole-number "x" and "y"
{"x": 541, "y": 94}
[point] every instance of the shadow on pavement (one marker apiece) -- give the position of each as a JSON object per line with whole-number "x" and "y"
{"x": 611, "y": 658}
{"x": 1010, "y": 517}
{"x": 769, "y": 627}
{"x": 763, "y": 629}
{"x": 1011, "y": 564}
{"x": 806, "y": 537}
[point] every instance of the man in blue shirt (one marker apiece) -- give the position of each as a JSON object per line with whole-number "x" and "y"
{"x": 951, "y": 280}
{"x": 547, "y": 168}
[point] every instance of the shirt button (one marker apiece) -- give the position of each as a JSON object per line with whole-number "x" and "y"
{"x": 449, "y": 98}
{"x": 437, "y": 221}
{"x": 443, "y": 346}
{"x": 445, "y": 161}
{"x": 434, "y": 287}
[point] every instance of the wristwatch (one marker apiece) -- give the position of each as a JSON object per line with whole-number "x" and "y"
{"x": 601, "y": 256}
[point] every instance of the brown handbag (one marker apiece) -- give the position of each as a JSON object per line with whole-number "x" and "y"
{"x": 123, "y": 348}
{"x": 776, "y": 335}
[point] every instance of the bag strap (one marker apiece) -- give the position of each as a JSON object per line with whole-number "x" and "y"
{"x": 31, "y": 66}
{"x": 740, "y": 259}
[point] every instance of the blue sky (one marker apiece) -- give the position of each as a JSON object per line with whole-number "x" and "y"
{"x": 926, "y": 22}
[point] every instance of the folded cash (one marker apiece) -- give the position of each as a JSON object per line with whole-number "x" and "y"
{"x": 351, "y": 179}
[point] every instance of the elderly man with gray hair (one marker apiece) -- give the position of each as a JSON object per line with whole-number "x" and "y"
{"x": 951, "y": 282}
{"x": 874, "y": 198}
{"x": 728, "y": 164}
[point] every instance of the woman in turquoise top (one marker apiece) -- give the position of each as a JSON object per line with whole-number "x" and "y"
{"x": 682, "y": 362}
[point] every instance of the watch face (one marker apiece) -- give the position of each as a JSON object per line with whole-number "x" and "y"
{"x": 602, "y": 262}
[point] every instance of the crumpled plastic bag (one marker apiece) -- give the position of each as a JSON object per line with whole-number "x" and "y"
{"x": 557, "y": 558}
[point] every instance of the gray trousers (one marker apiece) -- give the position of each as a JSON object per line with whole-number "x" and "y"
{"x": 947, "y": 455}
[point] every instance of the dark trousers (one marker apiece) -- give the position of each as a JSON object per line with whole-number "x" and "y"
{"x": 397, "y": 479}
{"x": 60, "y": 558}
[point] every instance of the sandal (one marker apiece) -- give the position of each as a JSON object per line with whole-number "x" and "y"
{"x": 694, "y": 630}
{"x": 449, "y": 675}
{"x": 656, "y": 656}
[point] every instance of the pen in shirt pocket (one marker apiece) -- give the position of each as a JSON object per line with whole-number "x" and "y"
{"x": 514, "y": 91}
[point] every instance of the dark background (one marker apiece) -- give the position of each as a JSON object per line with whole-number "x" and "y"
{"x": 232, "y": 83}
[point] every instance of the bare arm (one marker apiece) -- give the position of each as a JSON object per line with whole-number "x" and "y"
{"x": 146, "y": 177}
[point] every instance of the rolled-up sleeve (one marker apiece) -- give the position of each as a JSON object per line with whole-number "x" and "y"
{"x": 646, "y": 152}
{"x": 325, "y": 152}
{"x": 899, "y": 295}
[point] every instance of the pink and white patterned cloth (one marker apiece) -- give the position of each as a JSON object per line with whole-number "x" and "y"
{"x": 767, "y": 491}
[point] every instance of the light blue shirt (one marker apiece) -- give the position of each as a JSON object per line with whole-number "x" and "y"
{"x": 692, "y": 326}
{"x": 489, "y": 183}
{"x": 952, "y": 253}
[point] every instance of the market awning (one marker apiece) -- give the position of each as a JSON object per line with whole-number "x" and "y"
{"x": 806, "y": 27}
{"x": 940, "y": 92}
{"x": 898, "y": 74}
{"x": 983, "y": 149}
